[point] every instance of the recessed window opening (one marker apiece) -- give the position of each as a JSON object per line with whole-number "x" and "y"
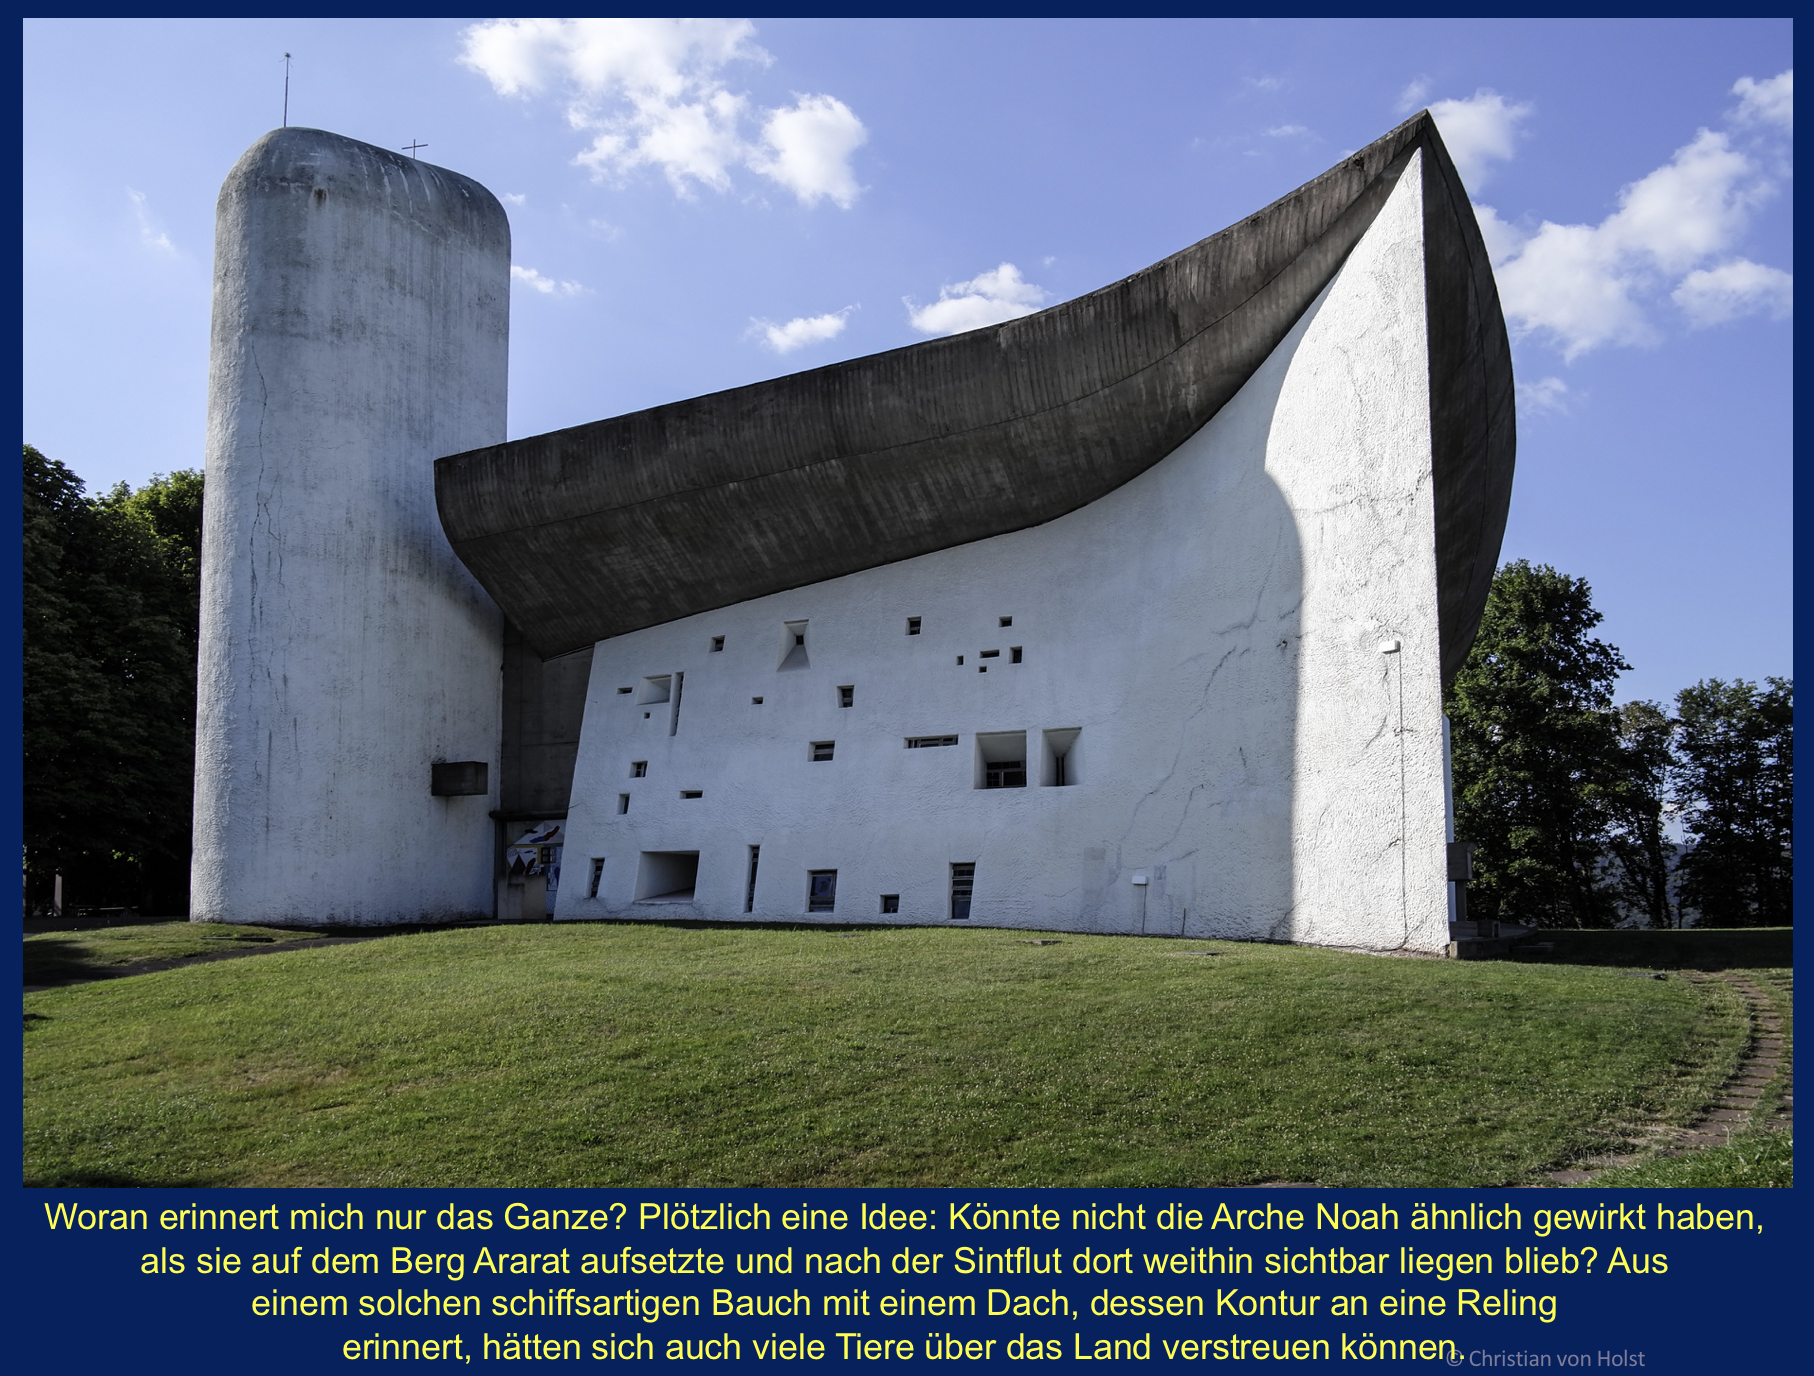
{"x": 598, "y": 873}
{"x": 1059, "y": 757}
{"x": 821, "y": 891}
{"x": 623, "y": 690}
{"x": 847, "y": 695}
{"x": 1007, "y": 621}
{"x": 963, "y": 881}
{"x": 1014, "y": 654}
{"x": 667, "y": 876}
{"x": 960, "y": 659}
{"x": 929, "y": 742}
{"x": 989, "y": 654}
{"x": 680, "y": 682}
{"x": 793, "y": 645}
{"x": 1001, "y": 759}
{"x": 822, "y": 751}
{"x": 755, "y": 702}
{"x": 982, "y": 668}
{"x": 639, "y": 769}
{"x": 717, "y": 643}
{"x": 891, "y": 903}
{"x": 623, "y": 803}
{"x": 655, "y": 689}
{"x": 692, "y": 793}
{"x": 913, "y": 625}
{"x": 749, "y": 889}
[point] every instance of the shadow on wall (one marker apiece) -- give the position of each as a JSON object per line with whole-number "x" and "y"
{"x": 1213, "y": 833}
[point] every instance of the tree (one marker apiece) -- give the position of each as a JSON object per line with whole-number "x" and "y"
{"x": 1735, "y": 782}
{"x": 1641, "y": 849}
{"x": 1536, "y": 753}
{"x": 111, "y": 608}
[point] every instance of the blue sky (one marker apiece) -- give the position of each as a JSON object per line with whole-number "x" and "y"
{"x": 698, "y": 206}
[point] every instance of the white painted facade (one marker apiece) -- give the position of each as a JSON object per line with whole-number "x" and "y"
{"x": 1238, "y": 649}
{"x": 361, "y": 323}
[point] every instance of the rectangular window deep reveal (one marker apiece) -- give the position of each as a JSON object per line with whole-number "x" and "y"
{"x": 822, "y": 751}
{"x": 928, "y": 742}
{"x": 821, "y": 891}
{"x": 963, "y": 879}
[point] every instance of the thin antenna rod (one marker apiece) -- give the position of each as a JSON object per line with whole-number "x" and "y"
{"x": 286, "y": 90}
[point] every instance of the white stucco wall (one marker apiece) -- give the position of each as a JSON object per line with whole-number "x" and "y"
{"x": 1213, "y": 630}
{"x": 361, "y": 309}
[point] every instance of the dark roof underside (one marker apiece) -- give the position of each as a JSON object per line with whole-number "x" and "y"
{"x": 605, "y": 528}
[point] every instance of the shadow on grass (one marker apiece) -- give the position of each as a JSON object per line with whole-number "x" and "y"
{"x": 52, "y": 961}
{"x": 1720, "y": 948}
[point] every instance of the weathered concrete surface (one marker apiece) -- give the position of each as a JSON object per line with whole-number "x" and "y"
{"x": 544, "y": 704}
{"x": 1210, "y": 630}
{"x": 590, "y": 532}
{"x": 361, "y": 319}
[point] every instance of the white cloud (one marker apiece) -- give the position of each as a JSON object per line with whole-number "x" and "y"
{"x": 1771, "y": 101}
{"x": 648, "y": 93}
{"x": 547, "y": 286}
{"x": 149, "y": 233}
{"x": 800, "y": 331}
{"x": 1545, "y": 394}
{"x": 1586, "y": 285}
{"x": 513, "y": 197}
{"x": 987, "y": 299}
{"x": 1711, "y": 296}
{"x": 1265, "y": 83}
{"x": 1478, "y": 131}
{"x": 807, "y": 149}
{"x": 1414, "y": 95}
{"x": 1286, "y": 131}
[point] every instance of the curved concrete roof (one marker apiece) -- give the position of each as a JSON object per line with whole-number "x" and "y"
{"x": 594, "y": 531}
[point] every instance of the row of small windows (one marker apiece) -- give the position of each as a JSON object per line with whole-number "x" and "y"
{"x": 1001, "y": 755}
{"x": 794, "y": 656}
{"x": 673, "y": 876}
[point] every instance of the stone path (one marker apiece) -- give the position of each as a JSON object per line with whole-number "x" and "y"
{"x": 1764, "y": 1063}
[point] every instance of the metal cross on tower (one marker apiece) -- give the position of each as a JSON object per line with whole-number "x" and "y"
{"x": 412, "y": 146}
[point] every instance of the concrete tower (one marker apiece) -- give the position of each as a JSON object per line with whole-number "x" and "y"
{"x": 361, "y": 322}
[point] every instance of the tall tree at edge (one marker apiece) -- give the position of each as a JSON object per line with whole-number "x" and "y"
{"x": 1536, "y": 753}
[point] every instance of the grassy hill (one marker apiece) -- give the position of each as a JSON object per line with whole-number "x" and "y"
{"x": 619, "y": 1054}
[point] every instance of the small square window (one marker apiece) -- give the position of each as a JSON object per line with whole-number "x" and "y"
{"x": 891, "y": 902}
{"x": 821, "y": 891}
{"x": 847, "y": 695}
{"x": 691, "y": 793}
{"x": 960, "y": 659}
{"x": 755, "y": 702}
{"x": 717, "y": 643}
{"x": 1014, "y": 654}
{"x": 822, "y": 751}
{"x": 913, "y": 625}
{"x": 1007, "y": 621}
{"x": 623, "y": 803}
{"x": 639, "y": 769}
{"x": 623, "y": 690}
{"x": 598, "y": 873}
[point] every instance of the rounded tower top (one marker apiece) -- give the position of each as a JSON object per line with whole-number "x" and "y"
{"x": 299, "y": 162}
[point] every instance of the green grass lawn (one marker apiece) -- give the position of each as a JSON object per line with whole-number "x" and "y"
{"x": 640, "y": 1055}
{"x": 51, "y": 956}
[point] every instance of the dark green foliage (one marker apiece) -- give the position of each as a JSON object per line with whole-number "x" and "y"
{"x": 111, "y": 603}
{"x": 1735, "y": 785}
{"x": 1643, "y": 852}
{"x": 1537, "y": 756}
